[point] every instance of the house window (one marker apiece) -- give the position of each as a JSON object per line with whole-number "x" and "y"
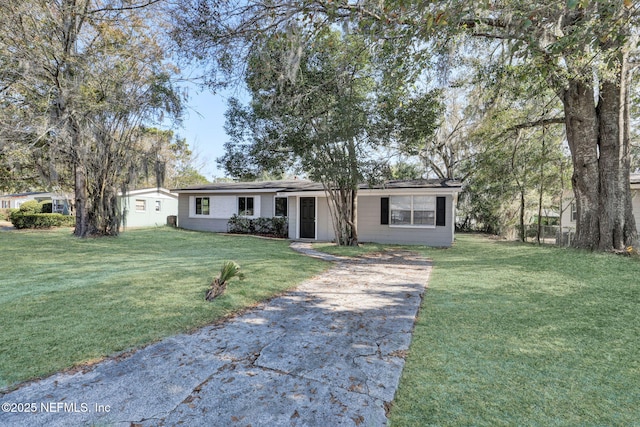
{"x": 413, "y": 210}
{"x": 6, "y": 204}
{"x": 158, "y": 206}
{"x": 245, "y": 206}
{"x": 57, "y": 205}
{"x": 141, "y": 205}
{"x": 574, "y": 212}
{"x": 281, "y": 206}
{"x": 202, "y": 205}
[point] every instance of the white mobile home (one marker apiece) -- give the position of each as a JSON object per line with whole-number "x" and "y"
{"x": 148, "y": 207}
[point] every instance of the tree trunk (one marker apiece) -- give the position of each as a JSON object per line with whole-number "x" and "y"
{"x": 82, "y": 211}
{"x": 582, "y": 134}
{"x": 541, "y": 189}
{"x": 599, "y": 141}
{"x": 353, "y": 223}
{"x": 354, "y": 174}
{"x": 523, "y": 232}
{"x": 610, "y": 166}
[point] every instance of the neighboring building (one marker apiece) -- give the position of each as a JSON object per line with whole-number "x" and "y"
{"x": 60, "y": 203}
{"x": 569, "y": 214}
{"x": 405, "y": 212}
{"x": 148, "y": 207}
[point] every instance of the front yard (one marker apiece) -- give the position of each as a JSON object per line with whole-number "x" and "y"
{"x": 65, "y": 301}
{"x": 508, "y": 334}
{"x": 513, "y": 334}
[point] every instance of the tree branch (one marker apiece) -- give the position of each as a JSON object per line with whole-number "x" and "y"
{"x": 536, "y": 123}
{"x": 123, "y": 8}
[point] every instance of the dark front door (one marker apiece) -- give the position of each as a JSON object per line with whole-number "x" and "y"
{"x": 307, "y": 218}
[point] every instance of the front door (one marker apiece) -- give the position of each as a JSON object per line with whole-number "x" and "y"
{"x": 307, "y": 218}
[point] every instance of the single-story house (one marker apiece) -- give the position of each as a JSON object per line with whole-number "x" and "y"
{"x": 148, "y": 207}
{"x": 405, "y": 212}
{"x": 569, "y": 215}
{"x": 60, "y": 203}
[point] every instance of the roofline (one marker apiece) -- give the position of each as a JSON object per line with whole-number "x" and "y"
{"x": 305, "y": 186}
{"x": 231, "y": 191}
{"x": 408, "y": 191}
{"x": 26, "y": 194}
{"x": 146, "y": 190}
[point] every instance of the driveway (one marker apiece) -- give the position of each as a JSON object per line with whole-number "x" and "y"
{"x": 329, "y": 353}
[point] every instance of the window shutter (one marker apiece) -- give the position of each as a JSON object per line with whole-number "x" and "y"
{"x": 441, "y": 211}
{"x": 384, "y": 211}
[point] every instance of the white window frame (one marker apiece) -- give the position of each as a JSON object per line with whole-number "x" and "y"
{"x": 431, "y": 201}
{"x": 246, "y": 200}
{"x": 57, "y": 205}
{"x": 144, "y": 205}
{"x": 194, "y": 204}
{"x": 158, "y": 206}
{"x": 256, "y": 205}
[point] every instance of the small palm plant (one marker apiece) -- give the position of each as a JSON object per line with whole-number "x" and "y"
{"x": 229, "y": 270}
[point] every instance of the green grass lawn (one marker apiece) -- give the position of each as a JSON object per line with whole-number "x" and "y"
{"x": 513, "y": 335}
{"x": 66, "y": 301}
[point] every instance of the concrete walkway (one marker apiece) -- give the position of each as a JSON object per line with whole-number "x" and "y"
{"x": 329, "y": 353}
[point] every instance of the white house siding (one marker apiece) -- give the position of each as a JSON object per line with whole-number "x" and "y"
{"x": 267, "y": 202}
{"x": 149, "y": 217}
{"x": 370, "y": 229}
{"x": 324, "y": 221}
{"x": 292, "y": 215}
{"x": 223, "y": 207}
{"x": 13, "y": 201}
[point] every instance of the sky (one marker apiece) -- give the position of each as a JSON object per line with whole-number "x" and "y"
{"x": 203, "y": 127}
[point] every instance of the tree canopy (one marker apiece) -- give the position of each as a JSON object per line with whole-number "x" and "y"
{"x": 316, "y": 110}
{"x": 581, "y": 50}
{"x": 80, "y": 79}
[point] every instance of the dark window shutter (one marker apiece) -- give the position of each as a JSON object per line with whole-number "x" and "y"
{"x": 441, "y": 211}
{"x": 384, "y": 211}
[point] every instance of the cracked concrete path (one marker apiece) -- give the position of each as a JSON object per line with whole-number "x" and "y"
{"x": 329, "y": 353}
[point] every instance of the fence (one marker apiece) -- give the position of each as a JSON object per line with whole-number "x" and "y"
{"x": 549, "y": 234}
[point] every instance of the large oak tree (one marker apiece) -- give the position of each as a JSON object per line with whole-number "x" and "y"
{"x": 82, "y": 77}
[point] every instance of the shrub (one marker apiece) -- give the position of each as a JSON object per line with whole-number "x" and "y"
{"x": 5, "y": 214}
{"x": 280, "y": 226}
{"x": 22, "y": 220}
{"x": 276, "y": 226}
{"x": 31, "y": 207}
{"x": 262, "y": 226}
{"x": 239, "y": 224}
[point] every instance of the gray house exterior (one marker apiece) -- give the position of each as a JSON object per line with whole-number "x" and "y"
{"x": 405, "y": 212}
